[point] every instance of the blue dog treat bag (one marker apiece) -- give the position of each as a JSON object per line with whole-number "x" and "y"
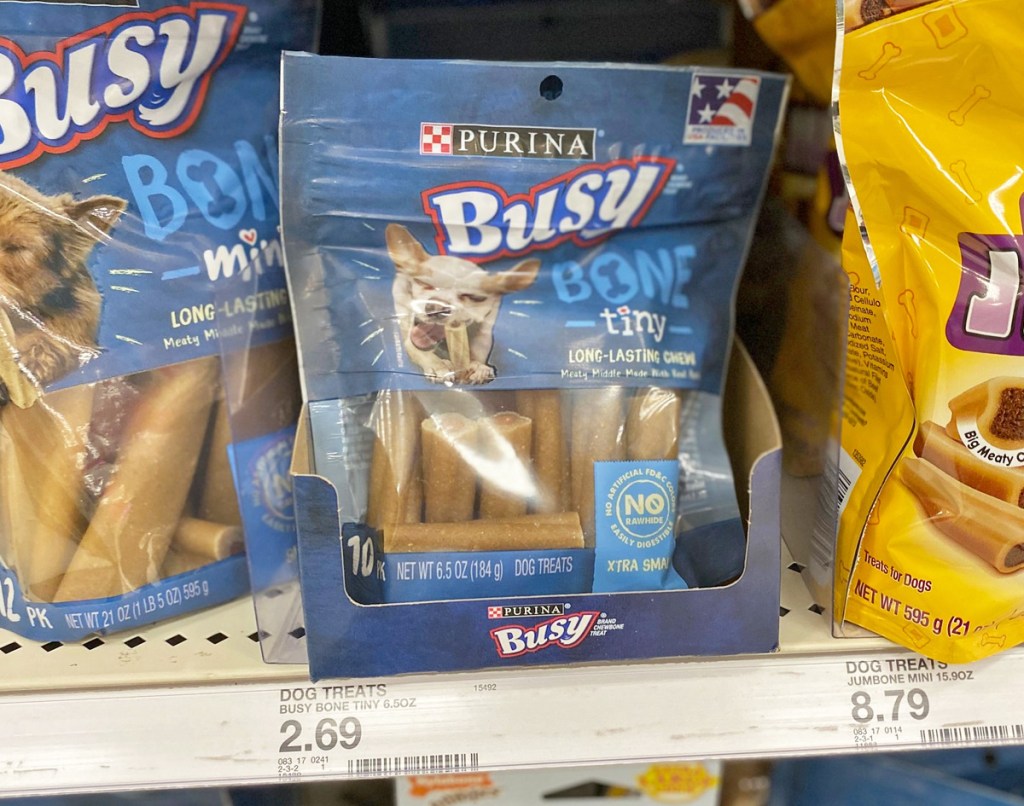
{"x": 138, "y": 178}
{"x": 512, "y": 288}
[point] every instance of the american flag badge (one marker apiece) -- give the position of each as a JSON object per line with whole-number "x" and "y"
{"x": 721, "y": 109}
{"x": 495, "y": 612}
{"x": 436, "y": 138}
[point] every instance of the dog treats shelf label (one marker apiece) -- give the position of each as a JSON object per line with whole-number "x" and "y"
{"x": 514, "y": 308}
{"x": 932, "y": 542}
{"x": 138, "y": 178}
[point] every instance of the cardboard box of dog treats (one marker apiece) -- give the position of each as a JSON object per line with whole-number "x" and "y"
{"x": 138, "y": 175}
{"x": 513, "y": 308}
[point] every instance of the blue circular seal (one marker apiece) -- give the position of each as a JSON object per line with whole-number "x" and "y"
{"x": 644, "y": 508}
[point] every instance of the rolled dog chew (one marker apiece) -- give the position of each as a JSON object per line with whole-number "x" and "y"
{"x": 532, "y": 532}
{"x": 598, "y": 435}
{"x": 449, "y": 450}
{"x": 550, "y": 448}
{"x": 218, "y": 501}
{"x": 933, "y": 444}
{"x": 20, "y": 390}
{"x": 990, "y": 528}
{"x": 45, "y": 449}
{"x": 998, "y": 407}
{"x": 131, "y": 530}
{"x": 215, "y": 541}
{"x": 396, "y": 489}
{"x": 457, "y": 339}
{"x": 181, "y": 562}
{"x": 652, "y": 425}
{"x": 506, "y": 477}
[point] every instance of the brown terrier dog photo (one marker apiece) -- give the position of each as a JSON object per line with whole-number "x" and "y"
{"x": 46, "y": 291}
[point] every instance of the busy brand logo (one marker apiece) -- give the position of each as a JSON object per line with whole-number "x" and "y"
{"x": 151, "y": 70}
{"x": 721, "y": 109}
{"x": 519, "y": 611}
{"x": 562, "y": 631}
{"x": 476, "y": 140}
{"x": 585, "y": 205}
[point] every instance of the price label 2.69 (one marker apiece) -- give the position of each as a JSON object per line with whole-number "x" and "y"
{"x": 328, "y": 734}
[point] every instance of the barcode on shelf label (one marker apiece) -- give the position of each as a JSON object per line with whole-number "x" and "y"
{"x": 386, "y": 766}
{"x": 970, "y": 735}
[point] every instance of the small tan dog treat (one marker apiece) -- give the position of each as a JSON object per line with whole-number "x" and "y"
{"x": 550, "y": 447}
{"x": 990, "y": 528}
{"x": 506, "y": 478}
{"x": 131, "y": 530}
{"x": 218, "y": 501}
{"x": 44, "y": 450}
{"x": 396, "y": 489}
{"x": 21, "y": 391}
{"x": 652, "y": 425}
{"x": 998, "y": 407}
{"x": 457, "y": 339}
{"x": 532, "y": 532}
{"x": 598, "y": 435}
{"x": 934, "y": 445}
{"x": 449, "y": 467}
{"x": 214, "y": 541}
{"x": 181, "y": 562}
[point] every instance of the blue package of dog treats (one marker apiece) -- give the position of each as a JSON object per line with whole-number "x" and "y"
{"x": 513, "y": 288}
{"x": 138, "y": 175}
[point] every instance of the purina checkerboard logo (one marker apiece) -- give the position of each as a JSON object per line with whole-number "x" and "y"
{"x": 722, "y": 109}
{"x": 525, "y": 611}
{"x": 481, "y": 140}
{"x": 436, "y": 138}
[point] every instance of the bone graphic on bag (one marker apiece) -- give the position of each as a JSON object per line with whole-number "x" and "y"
{"x": 979, "y": 94}
{"x": 990, "y": 528}
{"x": 934, "y": 445}
{"x": 997, "y": 407}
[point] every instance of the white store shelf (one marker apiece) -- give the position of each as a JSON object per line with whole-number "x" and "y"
{"x": 190, "y": 702}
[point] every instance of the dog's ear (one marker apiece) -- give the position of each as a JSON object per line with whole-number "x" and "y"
{"x": 99, "y": 213}
{"x": 406, "y": 252}
{"x": 517, "y": 278}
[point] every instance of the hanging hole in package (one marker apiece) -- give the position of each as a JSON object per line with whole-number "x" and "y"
{"x": 514, "y": 316}
{"x": 138, "y": 160}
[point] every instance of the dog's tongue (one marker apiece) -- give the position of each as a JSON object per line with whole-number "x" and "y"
{"x": 426, "y": 336}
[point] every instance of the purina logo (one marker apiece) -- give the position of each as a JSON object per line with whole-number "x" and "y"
{"x": 562, "y": 631}
{"x": 149, "y": 69}
{"x": 476, "y": 140}
{"x": 721, "y": 110}
{"x": 522, "y": 611}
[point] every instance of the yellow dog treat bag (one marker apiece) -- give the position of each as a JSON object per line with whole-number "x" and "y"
{"x": 931, "y": 542}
